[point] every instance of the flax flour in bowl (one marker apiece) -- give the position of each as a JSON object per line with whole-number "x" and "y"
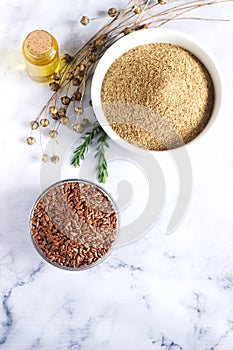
{"x": 158, "y": 93}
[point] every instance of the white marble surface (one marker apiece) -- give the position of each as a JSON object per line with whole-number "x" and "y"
{"x": 168, "y": 292}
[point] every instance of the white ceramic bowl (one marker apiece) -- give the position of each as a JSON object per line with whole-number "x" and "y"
{"x": 148, "y": 36}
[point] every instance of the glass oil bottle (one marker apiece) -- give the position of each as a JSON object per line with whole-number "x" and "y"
{"x": 41, "y": 55}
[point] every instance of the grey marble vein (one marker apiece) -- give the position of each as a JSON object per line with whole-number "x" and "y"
{"x": 124, "y": 265}
{"x": 8, "y": 324}
{"x": 170, "y": 345}
{"x": 217, "y": 345}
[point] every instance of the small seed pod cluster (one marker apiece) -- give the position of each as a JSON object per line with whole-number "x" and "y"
{"x": 70, "y": 83}
{"x": 74, "y": 224}
{"x": 57, "y": 111}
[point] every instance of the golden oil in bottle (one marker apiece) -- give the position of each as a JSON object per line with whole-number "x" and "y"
{"x": 41, "y": 55}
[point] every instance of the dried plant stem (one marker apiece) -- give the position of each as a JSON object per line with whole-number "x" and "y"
{"x": 192, "y": 5}
{"x": 198, "y": 19}
{"x": 113, "y": 30}
{"x": 150, "y": 14}
{"x": 143, "y": 11}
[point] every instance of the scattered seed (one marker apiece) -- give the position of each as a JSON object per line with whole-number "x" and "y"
{"x": 62, "y": 112}
{"x": 92, "y": 58}
{"x": 45, "y": 158}
{"x": 44, "y": 122}
{"x": 137, "y": 9}
{"x": 64, "y": 120}
{"x": 31, "y": 140}
{"x": 82, "y": 67}
{"x": 53, "y": 134}
{"x": 127, "y": 30}
{"x": 84, "y": 20}
{"x": 54, "y": 86}
{"x": 112, "y": 12}
{"x": 67, "y": 58}
{"x": 65, "y": 100}
{"x": 34, "y": 125}
{"x": 55, "y": 159}
{"x": 76, "y": 82}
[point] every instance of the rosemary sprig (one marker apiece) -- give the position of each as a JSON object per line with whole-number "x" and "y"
{"x": 80, "y": 151}
{"x": 102, "y": 164}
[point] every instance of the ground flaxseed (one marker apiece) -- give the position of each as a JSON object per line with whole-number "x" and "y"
{"x": 157, "y": 96}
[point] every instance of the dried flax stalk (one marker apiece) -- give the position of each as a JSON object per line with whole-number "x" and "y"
{"x": 69, "y": 84}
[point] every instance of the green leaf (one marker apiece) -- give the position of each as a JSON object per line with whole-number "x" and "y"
{"x": 102, "y": 165}
{"x": 79, "y": 153}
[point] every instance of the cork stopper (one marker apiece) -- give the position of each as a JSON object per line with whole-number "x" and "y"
{"x": 39, "y": 42}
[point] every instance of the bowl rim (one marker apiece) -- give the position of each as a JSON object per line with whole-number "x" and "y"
{"x": 146, "y": 36}
{"x": 66, "y": 268}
